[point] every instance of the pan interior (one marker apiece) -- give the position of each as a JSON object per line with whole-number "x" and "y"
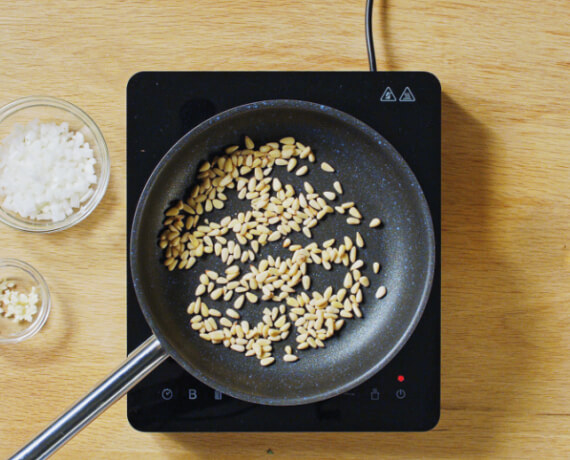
{"x": 373, "y": 175}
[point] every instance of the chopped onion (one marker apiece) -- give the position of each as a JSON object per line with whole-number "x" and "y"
{"x": 46, "y": 171}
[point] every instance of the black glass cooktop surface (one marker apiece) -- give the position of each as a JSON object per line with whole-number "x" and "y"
{"x": 405, "y": 108}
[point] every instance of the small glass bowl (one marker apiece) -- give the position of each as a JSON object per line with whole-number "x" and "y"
{"x": 49, "y": 109}
{"x": 25, "y": 276}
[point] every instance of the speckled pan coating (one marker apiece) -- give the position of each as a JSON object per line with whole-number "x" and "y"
{"x": 373, "y": 174}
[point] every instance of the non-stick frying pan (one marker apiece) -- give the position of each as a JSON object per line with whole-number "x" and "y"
{"x": 373, "y": 175}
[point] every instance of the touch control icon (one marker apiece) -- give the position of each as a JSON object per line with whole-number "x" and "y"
{"x": 407, "y": 95}
{"x": 167, "y": 394}
{"x": 388, "y": 95}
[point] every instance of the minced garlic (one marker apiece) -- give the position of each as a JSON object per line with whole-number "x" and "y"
{"x": 15, "y": 304}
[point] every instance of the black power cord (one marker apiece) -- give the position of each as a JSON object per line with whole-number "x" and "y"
{"x": 369, "y": 37}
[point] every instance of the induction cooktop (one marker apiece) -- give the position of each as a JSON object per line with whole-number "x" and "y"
{"x": 405, "y": 108}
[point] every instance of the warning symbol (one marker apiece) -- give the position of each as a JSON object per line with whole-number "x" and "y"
{"x": 407, "y": 95}
{"x": 388, "y": 95}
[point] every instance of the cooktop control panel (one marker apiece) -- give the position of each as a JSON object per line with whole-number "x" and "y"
{"x": 405, "y": 108}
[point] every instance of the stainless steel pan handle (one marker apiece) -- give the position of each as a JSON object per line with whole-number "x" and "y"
{"x": 137, "y": 366}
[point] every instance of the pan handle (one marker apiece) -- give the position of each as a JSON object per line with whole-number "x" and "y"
{"x": 137, "y": 366}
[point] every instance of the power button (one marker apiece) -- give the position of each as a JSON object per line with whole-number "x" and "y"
{"x": 400, "y": 393}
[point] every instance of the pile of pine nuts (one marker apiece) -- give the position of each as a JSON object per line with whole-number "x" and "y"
{"x": 276, "y": 211}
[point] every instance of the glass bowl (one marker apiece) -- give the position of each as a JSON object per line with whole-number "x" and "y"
{"x": 49, "y": 109}
{"x": 25, "y": 277}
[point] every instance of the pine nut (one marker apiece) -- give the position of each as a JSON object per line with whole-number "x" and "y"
{"x": 251, "y": 297}
{"x": 338, "y": 187}
{"x": 249, "y": 143}
{"x": 381, "y": 292}
{"x": 267, "y": 361}
{"x": 302, "y": 171}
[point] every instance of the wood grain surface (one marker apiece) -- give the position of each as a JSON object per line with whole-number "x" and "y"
{"x": 504, "y": 68}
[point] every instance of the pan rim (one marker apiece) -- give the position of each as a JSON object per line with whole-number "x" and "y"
{"x": 397, "y": 160}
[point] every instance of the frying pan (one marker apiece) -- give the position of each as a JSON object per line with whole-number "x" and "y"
{"x": 373, "y": 175}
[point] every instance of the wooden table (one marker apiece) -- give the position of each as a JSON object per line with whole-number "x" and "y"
{"x": 504, "y": 68}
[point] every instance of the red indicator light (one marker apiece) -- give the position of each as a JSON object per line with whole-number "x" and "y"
{"x": 400, "y": 378}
